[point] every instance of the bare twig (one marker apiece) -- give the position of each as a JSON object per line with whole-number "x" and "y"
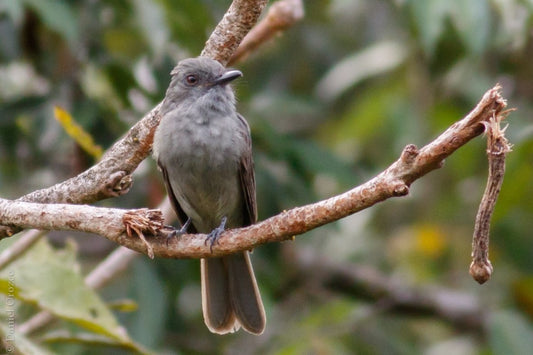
{"x": 36, "y": 322}
{"x": 497, "y": 147}
{"x": 392, "y": 182}
{"x": 114, "y": 264}
{"x": 20, "y": 246}
{"x": 280, "y": 16}
{"x": 109, "y": 268}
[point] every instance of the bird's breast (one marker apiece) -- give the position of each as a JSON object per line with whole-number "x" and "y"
{"x": 202, "y": 161}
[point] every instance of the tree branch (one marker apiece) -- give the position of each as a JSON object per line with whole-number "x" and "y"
{"x": 394, "y": 181}
{"x": 114, "y": 264}
{"x": 111, "y": 176}
{"x": 497, "y": 148}
{"x": 241, "y": 16}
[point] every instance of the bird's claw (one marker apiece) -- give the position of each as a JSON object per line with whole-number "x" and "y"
{"x": 179, "y": 232}
{"x": 215, "y": 234}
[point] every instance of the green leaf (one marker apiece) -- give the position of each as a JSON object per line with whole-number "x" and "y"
{"x": 510, "y": 334}
{"x": 51, "y": 279}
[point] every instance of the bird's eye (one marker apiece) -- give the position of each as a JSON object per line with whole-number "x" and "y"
{"x": 191, "y": 79}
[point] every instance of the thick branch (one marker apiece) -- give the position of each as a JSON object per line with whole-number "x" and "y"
{"x": 114, "y": 264}
{"x": 392, "y": 182}
{"x": 104, "y": 221}
{"x": 111, "y": 176}
{"x": 236, "y": 23}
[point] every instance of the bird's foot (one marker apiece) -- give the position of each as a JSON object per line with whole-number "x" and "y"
{"x": 179, "y": 232}
{"x": 215, "y": 234}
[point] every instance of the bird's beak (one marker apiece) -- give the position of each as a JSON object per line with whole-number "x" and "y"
{"x": 228, "y": 76}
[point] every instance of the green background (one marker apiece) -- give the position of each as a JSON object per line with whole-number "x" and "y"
{"x": 331, "y": 103}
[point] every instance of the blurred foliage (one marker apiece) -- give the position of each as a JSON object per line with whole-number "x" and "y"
{"x": 331, "y": 103}
{"x": 76, "y": 132}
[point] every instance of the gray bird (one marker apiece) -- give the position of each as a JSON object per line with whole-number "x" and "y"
{"x": 204, "y": 150}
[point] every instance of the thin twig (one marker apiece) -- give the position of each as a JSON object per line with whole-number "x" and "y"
{"x": 20, "y": 246}
{"x": 497, "y": 147}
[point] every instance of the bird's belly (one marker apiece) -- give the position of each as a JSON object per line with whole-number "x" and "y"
{"x": 207, "y": 183}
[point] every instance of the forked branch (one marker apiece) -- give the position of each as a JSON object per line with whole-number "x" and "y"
{"x": 394, "y": 181}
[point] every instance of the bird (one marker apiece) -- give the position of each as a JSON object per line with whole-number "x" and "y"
{"x": 203, "y": 148}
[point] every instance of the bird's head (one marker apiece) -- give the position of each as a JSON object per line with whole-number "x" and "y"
{"x": 201, "y": 80}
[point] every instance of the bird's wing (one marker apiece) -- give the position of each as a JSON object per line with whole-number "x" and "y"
{"x": 182, "y": 216}
{"x": 246, "y": 174}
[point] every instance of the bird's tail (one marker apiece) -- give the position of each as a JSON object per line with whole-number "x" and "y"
{"x": 230, "y": 296}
